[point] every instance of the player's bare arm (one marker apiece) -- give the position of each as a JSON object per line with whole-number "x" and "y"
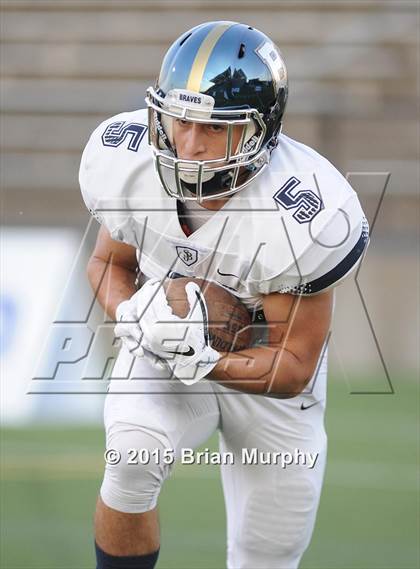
{"x": 112, "y": 271}
{"x": 297, "y": 327}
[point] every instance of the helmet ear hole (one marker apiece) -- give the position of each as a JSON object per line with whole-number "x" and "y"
{"x": 241, "y": 51}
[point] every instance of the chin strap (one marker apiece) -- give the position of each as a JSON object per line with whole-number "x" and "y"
{"x": 219, "y": 181}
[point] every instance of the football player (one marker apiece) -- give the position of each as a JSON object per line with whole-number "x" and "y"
{"x": 203, "y": 184}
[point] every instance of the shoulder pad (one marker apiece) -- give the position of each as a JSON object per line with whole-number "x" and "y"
{"x": 329, "y": 270}
{"x": 116, "y": 153}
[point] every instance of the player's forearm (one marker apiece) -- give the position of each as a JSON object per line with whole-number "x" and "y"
{"x": 262, "y": 370}
{"x": 112, "y": 284}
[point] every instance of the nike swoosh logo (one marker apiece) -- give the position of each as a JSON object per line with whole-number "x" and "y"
{"x": 304, "y": 407}
{"x": 189, "y": 352}
{"x": 226, "y": 274}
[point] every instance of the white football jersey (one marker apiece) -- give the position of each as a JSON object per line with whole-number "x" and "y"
{"x": 297, "y": 228}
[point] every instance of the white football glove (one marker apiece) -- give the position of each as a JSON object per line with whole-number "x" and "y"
{"x": 182, "y": 343}
{"x": 128, "y": 327}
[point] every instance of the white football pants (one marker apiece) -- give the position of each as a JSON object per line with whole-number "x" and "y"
{"x": 271, "y": 509}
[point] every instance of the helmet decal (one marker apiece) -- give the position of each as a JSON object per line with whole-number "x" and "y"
{"x": 269, "y": 53}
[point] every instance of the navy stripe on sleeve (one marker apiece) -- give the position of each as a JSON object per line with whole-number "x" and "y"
{"x": 343, "y": 267}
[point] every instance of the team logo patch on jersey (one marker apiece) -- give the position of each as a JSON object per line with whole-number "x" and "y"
{"x": 187, "y": 255}
{"x": 306, "y": 202}
{"x": 117, "y": 132}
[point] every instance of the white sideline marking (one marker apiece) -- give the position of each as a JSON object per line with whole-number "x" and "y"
{"x": 398, "y": 477}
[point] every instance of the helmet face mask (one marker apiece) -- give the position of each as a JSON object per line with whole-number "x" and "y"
{"x": 251, "y": 107}
{"x": 186, "y": 179}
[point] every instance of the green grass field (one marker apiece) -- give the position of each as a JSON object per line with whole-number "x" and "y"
{"x": 368, "y": 518}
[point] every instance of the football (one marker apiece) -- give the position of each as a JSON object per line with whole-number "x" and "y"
{"x": 229, "y": 321}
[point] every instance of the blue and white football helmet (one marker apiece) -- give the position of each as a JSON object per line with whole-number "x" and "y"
{"x": 222, "y": 73}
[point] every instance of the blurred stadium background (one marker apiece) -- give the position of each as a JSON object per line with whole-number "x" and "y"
{"x": 66, "y": 66}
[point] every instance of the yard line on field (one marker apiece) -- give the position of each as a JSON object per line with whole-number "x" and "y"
{"x": 379, "y": 475}
{"x": 383, "y": 475}
{"x": 51, "y": 467}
